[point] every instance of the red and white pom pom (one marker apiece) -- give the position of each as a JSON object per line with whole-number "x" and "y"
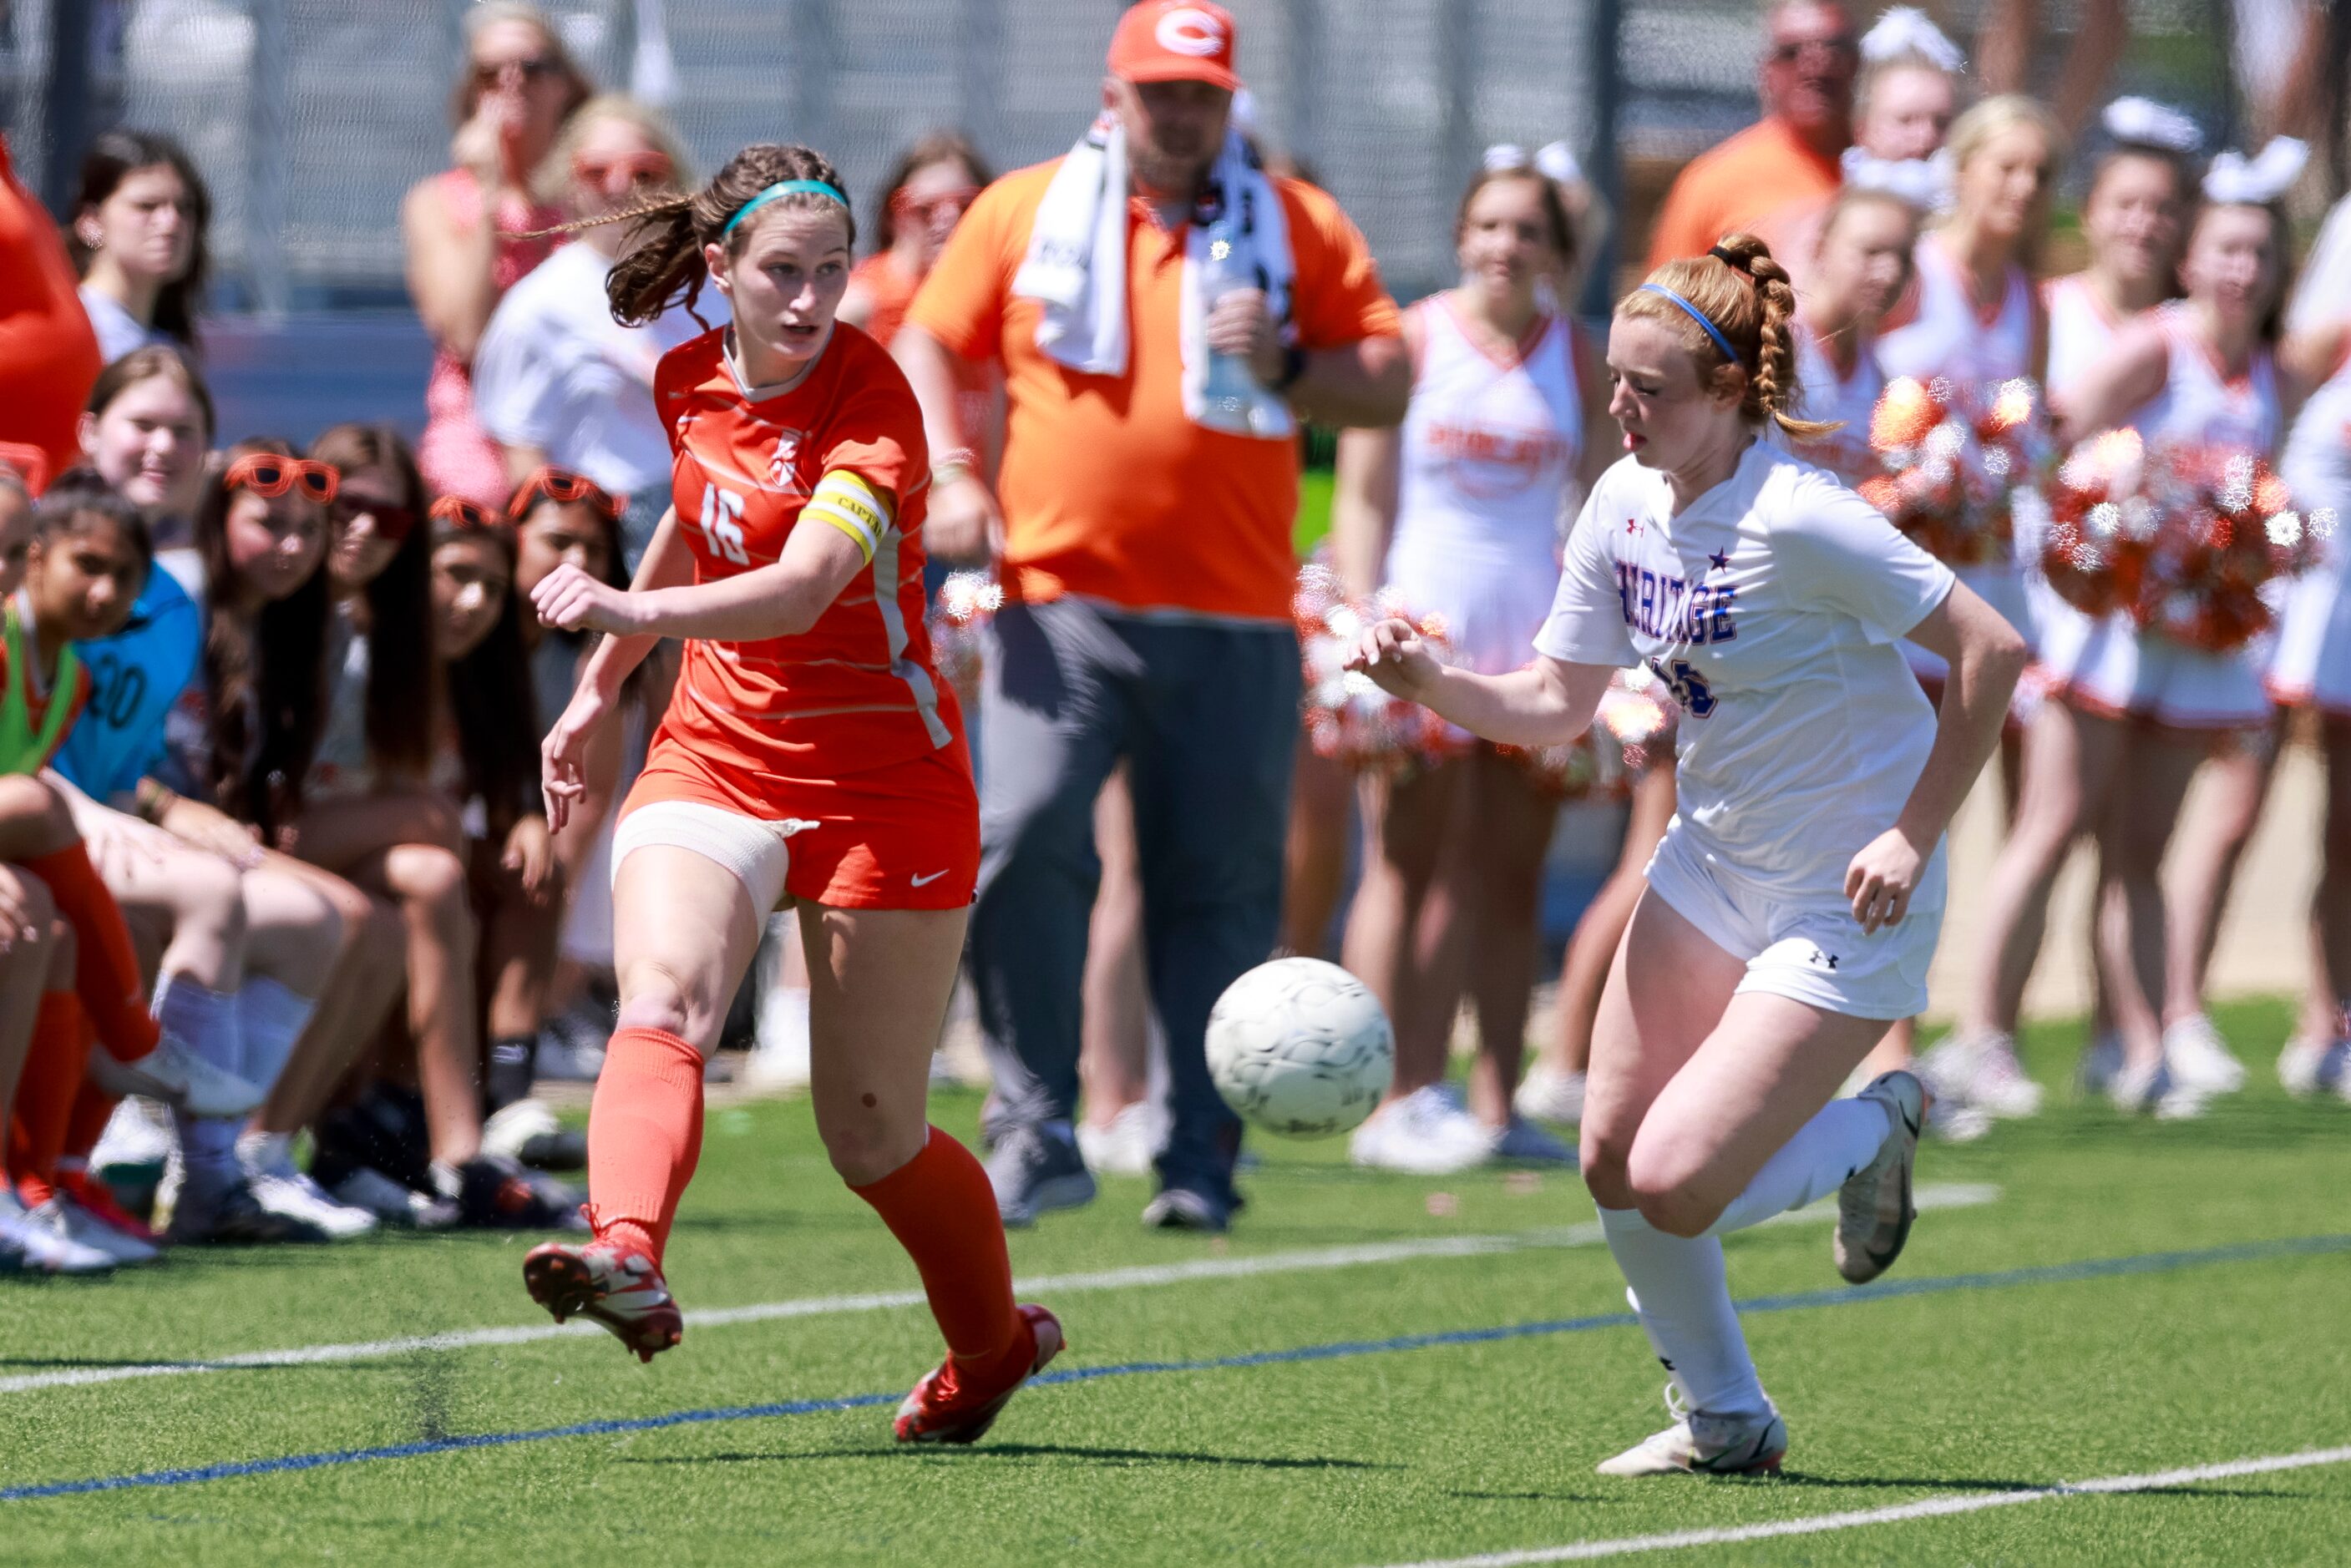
{"x": 2102, "y": 524}
{"x": 966, "y": 602}
{"x": 1632, "y": 733}
{"x": 2225, "y": 526}
{"x": 1951, "y": 460}
{"x": 1348, "y": 718}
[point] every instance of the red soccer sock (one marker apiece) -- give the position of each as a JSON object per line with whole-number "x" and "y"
{"x": 45, "y": 1092}
{"x": 106, "y": 966}
{"x": 941, "y": 1209}
{"x": 644, "y": 1135}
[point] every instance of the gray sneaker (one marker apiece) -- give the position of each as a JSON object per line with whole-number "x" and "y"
{"x": 1035, "y": 1170}
{"x": 1874, "y": 1207}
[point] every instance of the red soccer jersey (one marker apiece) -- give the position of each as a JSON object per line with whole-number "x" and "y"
{"x": 857, "y": 689}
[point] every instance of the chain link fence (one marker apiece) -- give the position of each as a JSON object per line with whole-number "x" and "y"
{"x": 310, "y": 117}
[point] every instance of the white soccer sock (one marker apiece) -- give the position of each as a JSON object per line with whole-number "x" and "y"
{"x": 205, "y": 1021}
{"x": 272, "y": 1018}
{"x": 1845, "y": 1135}
{"x": 1683, "y": 1298}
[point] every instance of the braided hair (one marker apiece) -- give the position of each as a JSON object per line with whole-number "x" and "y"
{"x": 1746, "y": 298}
{"x": 665, "y": 266}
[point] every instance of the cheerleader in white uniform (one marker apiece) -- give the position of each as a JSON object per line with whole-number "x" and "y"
{"x": 1974, "y": 315}
{"x": 1792, "y": 906}
{"x": 1472, "y": 489}
{"x": 2134, "y": 712}
{"x": 2311, "y": 667}
{"x": 1858, "y": 274}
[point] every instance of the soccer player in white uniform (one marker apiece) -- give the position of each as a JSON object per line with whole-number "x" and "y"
{"x": 2134, "y": 712}
{"x": 1792, "y": 905}
{"x": 1457, "y": 516}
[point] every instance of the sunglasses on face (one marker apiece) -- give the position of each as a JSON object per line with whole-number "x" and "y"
{"x": 392, "y": 522}
{"x": 269, "y": 477}
{"x": 563, "y": 486}
{"x": 462, "y": 514}
{"x": 536, "y": 69}
{"x": 921, "y": 209}
{"x": 631, "y": 166}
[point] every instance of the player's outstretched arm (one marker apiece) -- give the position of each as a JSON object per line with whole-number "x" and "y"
{"x": 1547, "y": 703}
{"x": 565, "y": 755}
{"x": 1987, "y": 656}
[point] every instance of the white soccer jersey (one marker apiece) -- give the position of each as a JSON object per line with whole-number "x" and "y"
{"x": 1770, "y": 609}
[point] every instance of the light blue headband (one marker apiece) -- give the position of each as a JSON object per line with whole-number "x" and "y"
{"x": 1698, "y": 316}
{"x": 778, "y": 191}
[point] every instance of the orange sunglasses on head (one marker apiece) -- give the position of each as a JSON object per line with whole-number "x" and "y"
{"x": 269, "y": 477}
{"x": 564, "y": 487}
{"x": 464, "y": 515}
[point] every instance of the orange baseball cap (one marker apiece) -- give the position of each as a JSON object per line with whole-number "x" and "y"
{"x": 1174, "y": 41}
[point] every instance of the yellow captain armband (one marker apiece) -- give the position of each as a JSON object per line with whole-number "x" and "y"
{"x": 850, "y": 504}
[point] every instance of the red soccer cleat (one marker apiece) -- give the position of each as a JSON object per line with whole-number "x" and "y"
{"x": 620, "y": 1288}
{"x": 98, "y": 1199}
{"x": 942, "y": 1409}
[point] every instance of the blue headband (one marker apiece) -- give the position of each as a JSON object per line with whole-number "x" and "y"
{"x": 1698, "y": 316}
{"x": 779, "y": 190}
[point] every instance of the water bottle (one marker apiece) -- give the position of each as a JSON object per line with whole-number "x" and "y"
{"x": 1229, "y": 389}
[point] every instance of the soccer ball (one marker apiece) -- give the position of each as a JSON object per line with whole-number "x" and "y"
{"x": 1299, "y": 1046}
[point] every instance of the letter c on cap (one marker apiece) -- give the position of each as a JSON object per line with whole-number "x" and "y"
{"x": 1190, "y": 31}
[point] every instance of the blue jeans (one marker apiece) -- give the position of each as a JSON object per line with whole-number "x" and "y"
{"x": 1206, "y": 715}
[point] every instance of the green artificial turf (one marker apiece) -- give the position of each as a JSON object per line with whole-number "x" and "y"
{"x": 1426, "y": 1453}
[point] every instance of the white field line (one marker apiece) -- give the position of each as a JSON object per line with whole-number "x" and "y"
{"x": 1956, "y": 1195}
{"x": 1927, "y": 1508}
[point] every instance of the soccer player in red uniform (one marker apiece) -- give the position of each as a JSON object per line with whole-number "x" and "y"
{"x": 811, "y": 753}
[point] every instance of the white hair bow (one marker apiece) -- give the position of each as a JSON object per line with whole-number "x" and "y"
{"x": 2256, "y": 181}
{"x": 1505, "y": 155}
{"x": 1907, "y": 31}
{"x": 2143, "y": 122}
{"x": 1243, "y": 115}
{"x": 1558, "y": 164}
{"x": 1925, "y": 183}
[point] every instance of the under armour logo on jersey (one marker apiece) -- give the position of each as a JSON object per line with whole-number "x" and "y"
{"x": 1824, "y": 958}
{"x": 1632, "y": 524}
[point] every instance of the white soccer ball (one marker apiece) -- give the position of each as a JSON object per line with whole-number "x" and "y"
{"x": 1301, "y": 1047}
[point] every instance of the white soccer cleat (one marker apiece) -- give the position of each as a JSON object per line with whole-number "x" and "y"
{"x": 2200, "y": 1060}
{"x": 180, "y": 1078}
{"x": 1546, "y": 1095}
{"x": 67, "y": 1221}
{"x": 1874, "y": 1207}
{"x": 139, "y": 1137}
{"x": 1423, "y": 1134}
{"x": 284, "y": 1189}
{"x": 2152, "y": 1089}
{"x": 1700, "y": 1444}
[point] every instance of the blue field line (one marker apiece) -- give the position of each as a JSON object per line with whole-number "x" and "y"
{"x": 1850, "y": 1296}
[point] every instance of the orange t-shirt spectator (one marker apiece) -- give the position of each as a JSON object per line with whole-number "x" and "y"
{"x": 1811, "y": 56}
{"x": 48, "y": 356}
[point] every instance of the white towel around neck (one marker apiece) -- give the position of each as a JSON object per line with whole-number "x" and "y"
{"x": 1076, "y": 266}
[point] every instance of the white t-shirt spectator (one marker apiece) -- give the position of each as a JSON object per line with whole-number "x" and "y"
{"x": 1769, "y": 608}
{"x": 555, "y": 371}
{"x": 118, "y": 332}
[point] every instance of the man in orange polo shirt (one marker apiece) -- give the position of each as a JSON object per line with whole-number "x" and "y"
{"x": 1811, "y": 56}
{"x": 1160, "y": 308}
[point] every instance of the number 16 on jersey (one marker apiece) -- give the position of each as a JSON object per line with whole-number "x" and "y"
{"x": 722, "y": 523}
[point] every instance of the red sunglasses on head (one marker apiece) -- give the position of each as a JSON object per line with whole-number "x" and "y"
{"x": 269, "y": 477}
{"x": 563, "y": 486}
{"x": 464, "y": 515}
{"x": 906, "y": 204}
